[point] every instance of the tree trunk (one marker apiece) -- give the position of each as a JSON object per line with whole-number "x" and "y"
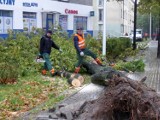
{"x": 100, "y": 74}
{"x": 158, "y": 38}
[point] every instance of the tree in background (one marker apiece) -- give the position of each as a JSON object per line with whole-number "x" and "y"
{"x": 153, "y": 7}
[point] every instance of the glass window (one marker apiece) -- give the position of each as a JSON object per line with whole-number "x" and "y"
{"x": 7, "y": 13}
{"x": 100, "y": 3}
{"x": 100, "y": 14}
{"x": 6, "y": 21}
{"x": 100, "y": 27}
{"x": 29, "y": 15}
{"x": 80, "y": 21}
{"x": 50, "y": 16}
{"x": 63, "y": 22}
{"x": 29, "y": 21}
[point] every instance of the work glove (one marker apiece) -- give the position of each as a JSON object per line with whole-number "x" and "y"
{"x": 60, "y": 50}
{"x": 81, "y": 53}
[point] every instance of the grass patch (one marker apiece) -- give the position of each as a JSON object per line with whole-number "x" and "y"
{"x": 27, "y": 93}
{"x": 32, "y": 92}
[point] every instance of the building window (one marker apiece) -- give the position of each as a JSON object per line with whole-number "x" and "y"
{"x": 100, "y": 3}
{"x": 63, "y": 22}
{"x": 29, "y": 21}
{"x": 6, "y": 21}
{"x": 100, "y": 14}
{"x": 100, "y": 27}
{"x": 80, "y": 22}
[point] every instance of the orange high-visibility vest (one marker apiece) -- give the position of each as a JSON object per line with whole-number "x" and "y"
{"x": 81, "y": 41}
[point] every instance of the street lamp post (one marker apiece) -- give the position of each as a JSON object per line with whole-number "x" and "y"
{"x": 150, "y": 26}
{"x": 135, "y": 24}
{"x": 104, "y": 28}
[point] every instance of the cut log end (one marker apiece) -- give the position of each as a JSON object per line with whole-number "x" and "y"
{"x": 75, "y": 82}
{"x": 78, "y": 76}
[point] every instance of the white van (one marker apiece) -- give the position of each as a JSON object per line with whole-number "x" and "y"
{"x": 139, "y": 35}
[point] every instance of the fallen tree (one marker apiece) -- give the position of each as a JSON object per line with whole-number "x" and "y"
{"x": 122, "y": 99}
{"x": 100, "y": 74}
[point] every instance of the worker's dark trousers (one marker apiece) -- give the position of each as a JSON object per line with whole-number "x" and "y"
{"x": 47, "y": 63}
{"x": 81, "y": 58}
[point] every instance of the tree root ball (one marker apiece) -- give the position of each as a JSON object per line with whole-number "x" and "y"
{"x": 123, "y": 99}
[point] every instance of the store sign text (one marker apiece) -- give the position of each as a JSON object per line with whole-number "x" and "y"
{"x": 7, "y": 2}
{"x": 67, "y": 11}
{"x": 26, "y": 4}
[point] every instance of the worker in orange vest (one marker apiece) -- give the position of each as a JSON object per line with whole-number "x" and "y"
{"x": 80, "y": 46}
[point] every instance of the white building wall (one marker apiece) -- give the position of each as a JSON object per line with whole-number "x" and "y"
{"x": 17, "y": 18}
{"x": 114, "y": 19}
{"x": 48, "y": 6}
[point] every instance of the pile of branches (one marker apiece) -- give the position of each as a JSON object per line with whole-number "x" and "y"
{"x": 123, "y": 99}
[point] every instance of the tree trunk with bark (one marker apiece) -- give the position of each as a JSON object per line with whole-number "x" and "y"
{"x": 100, "y": 74}
{"x": 158, "y": 38}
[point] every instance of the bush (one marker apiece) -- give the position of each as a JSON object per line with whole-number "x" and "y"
{"x": 136, "y": 65}
{"x": 8, "y": 73}
{"x": 117, "y": 46}
{"x": 1, "y": 39}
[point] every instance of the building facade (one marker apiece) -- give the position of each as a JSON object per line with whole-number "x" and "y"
{"x": 24, "y": 15}
{"x": 119, "y": 17}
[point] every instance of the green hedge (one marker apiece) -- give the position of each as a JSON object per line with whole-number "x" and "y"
{"x": 23, "y": 50}
{"x": 117, "y": 47}
{"x": 8, "y": 73}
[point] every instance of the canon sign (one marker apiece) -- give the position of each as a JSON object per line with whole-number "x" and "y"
{"x": 67, "y": 11}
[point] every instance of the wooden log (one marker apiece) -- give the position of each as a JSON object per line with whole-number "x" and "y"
{"x": 74, "y": 82}
{"x": 74, "y": 79}
{"x": 100, "y": 74}
{"x": 92, "y": 68}
{"x": 78, "y": 76}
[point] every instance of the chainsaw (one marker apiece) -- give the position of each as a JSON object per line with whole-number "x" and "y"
{"x": 39, "y": 59}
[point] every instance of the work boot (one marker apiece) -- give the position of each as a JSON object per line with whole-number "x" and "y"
{"x": 44, "y": 72}
{"x": 52, "y": 71}
{"x": 98, "y": 61}
{"x": 77, "y": 69}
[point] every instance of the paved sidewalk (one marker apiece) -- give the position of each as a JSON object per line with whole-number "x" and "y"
{"x": 152, "y": 68}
